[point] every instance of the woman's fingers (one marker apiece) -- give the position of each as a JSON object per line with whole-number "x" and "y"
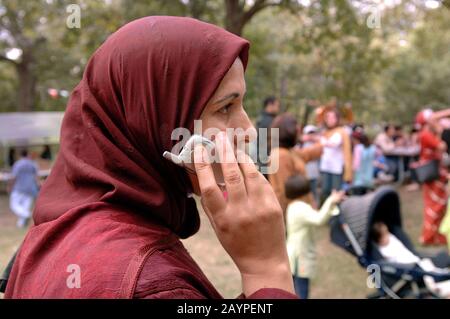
{"x": 232, "y": 175}
{"x": 211, "y": 194}
{"x": 254, "y": 180}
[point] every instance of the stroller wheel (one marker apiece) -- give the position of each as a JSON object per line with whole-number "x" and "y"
{"x": 377, "y": 295}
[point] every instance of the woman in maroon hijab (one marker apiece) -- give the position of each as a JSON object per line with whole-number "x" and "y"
{"x": 109, "y": 217}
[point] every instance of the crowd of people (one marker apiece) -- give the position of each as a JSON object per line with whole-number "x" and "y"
{"x": 116, "y": 208}
{"x": 318, "y": 165}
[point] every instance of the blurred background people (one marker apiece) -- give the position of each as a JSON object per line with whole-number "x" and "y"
{"x": 311, "y": 137}
{"x": 414, "y": 144}
{"x": 289, "y": 158}
{"x": 271, "y": 108}
{"x": 364, "y": 154}
{"x": 301, "y": 223}
{"x": 381, "y": 168}
{"x": 11, "y": 156}
{"x": 260, "y": 148}
{"x": 336, "y": 160}
{"x": 46, "y": 153}
{"x": 386, "y": 142}
{"x": 24, "y": 188}
{"x": 434, "y": 192}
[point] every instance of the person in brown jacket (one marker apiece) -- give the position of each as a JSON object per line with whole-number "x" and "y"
{"x": 289, "y": 158}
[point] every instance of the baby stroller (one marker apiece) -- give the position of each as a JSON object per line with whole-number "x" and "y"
{"x": 351, "y": 229}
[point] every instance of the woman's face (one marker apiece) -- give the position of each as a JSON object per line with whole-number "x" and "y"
{"x": 225, "y": 110}
{"x": 331, "y": 119}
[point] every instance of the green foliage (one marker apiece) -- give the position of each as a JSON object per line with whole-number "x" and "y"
{"x": 298, "y": 53}
{"x": 320, "y": 52}
{"x": 7, "y": 88}
{"x": 57, "y": 53}
{"x": 419, "y": 75}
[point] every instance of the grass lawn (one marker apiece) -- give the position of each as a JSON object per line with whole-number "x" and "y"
{"x": 338, "y": 276}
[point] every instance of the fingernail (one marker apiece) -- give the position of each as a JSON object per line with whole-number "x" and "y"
{"x": 221, "y": 135}
{"x": 198, "y": 151}
{"x": 202, "y": 154}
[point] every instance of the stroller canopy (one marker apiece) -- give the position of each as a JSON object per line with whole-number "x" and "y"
{"x": 360, "y": 212}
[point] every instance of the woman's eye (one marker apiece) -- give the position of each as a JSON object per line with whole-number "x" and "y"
{"x": 225, "y": 109}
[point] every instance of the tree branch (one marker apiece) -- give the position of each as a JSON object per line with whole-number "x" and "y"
{"x": 11, "y": 25}
{"x": 5, "y": 59}
{"x": 257, "y": 6}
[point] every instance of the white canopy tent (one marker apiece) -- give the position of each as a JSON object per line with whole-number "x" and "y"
{"x": 24, "y": 129}
{"x": 33, "y": 128}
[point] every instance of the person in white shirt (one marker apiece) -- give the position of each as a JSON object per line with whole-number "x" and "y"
{"x": 393, "y": 250}
{"x": 336, "y": 160}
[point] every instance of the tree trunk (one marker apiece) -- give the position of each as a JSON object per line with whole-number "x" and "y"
{"x": 234, "y": 27}
{"x": 197, "y": 8}
{"x": 234, "y": 17}
{"x": 27, "y": 84}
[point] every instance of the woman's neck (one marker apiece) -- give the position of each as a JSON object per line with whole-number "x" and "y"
{"x": 330, "y": 130}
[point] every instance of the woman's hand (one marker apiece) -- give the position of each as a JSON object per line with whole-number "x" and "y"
{"x": 249, "y": 224}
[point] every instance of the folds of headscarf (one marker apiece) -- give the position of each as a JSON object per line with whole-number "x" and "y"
{"x": 151, "y": 76}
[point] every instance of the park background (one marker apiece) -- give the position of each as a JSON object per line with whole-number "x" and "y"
{"x": 388, "y": 58}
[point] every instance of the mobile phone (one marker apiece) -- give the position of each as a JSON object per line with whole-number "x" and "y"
{"x": 185, "y": 158}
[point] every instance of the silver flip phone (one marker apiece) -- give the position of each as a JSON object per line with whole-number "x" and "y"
{"x": 186, "y": 157}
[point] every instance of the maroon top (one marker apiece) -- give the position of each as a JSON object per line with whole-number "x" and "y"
{"x": 112, "y": 210}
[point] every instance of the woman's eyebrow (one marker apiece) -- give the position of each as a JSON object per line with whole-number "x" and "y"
{"x": 227, "y": 97}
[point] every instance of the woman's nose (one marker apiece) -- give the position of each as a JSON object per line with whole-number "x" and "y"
{"x": 246, "y": 125}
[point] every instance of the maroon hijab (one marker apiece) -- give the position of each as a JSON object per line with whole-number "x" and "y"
{"x": 151, "y": 76}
